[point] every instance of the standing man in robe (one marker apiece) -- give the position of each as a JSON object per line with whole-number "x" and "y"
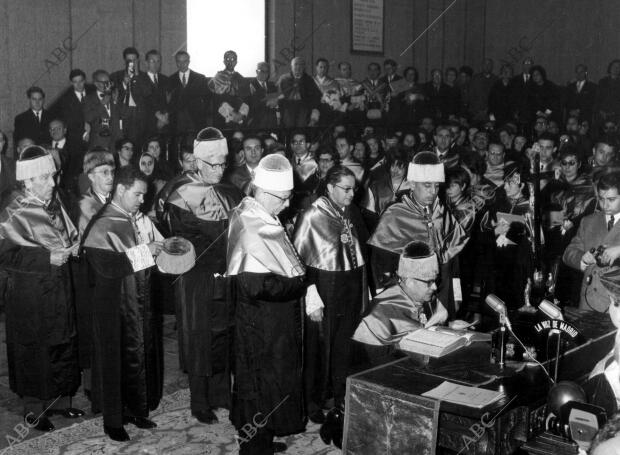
{"x": 127, "y": 363}
{"x": 419, "y": 216}
{"x": 330, "y": 237}
{"x": 268, "y": 279}
{"x": 227, "y": 85}
{"x": 37, "y": 239}
{"x": 300, "y": 97}
{"x": 198, "y": 210}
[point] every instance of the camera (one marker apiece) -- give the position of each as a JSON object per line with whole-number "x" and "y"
{"x": 597, "y": 252}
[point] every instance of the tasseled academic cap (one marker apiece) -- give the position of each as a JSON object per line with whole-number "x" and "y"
{"x": 419, "y": 261}
{"x": 274, "y": 173}
{"x": 426, "y": 167}
{"x": 33, "y": 162}
{"x": 210, "y": 144}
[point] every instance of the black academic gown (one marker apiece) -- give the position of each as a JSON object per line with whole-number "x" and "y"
{"x": 331, "y": 243}
{"x": 268, "y": 282}
{"x": 127, "y": 361}
{"x": 199, "y": 213}
{"x": 40, "y": 319}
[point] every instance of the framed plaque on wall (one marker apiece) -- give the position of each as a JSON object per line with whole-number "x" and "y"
{"x": 367, "y": 26}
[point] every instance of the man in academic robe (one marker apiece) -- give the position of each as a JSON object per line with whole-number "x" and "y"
{"x": 300, "y": 97}
{"x": 407, "y": 304}
{"x": 419, "y": 216}
{"x": 198, "y": 210}
{"x": 228, "y": 89}
{"x": 268, "y": 280}
{"x": 99, "y": 168}
{"x": 37, "y": 239}
{"x": 330, "y": 237}
{"x": 263, "y": 100}
{"x": 127, "y": 361}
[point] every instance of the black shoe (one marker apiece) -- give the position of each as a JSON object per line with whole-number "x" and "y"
{"x": 331, "y": 430}
{"x": 116, "y": 434}
{"x": 69, "y": 413}
{"x": 317, "y": 416}
{"x": 207, "y": 417}
{"x": 140, "y": 422}
{"x": 41, "y": 423}
{"x": 278, "y": 447}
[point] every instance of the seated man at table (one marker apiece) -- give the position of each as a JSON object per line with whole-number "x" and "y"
{"x": 404, "y": 306}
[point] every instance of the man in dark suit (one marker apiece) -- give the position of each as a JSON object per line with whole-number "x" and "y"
{"x": 70, "y": 106}
{"x": 155, "y": 86}
{"x": 599, "y": 229}
{"x": 132, "y": 95}
{"x": 521, "y": 84}
{"x": 69, "y": 152}
{"x": 389, "y": 69}
{"x": 262, "y": 111}
{"x": 241, "y": 176}
{"x": 189, "y": 98}
{"x": 33, "y": 123}
{"x": 102, "y": 114}
{"x": 581, "y": 95}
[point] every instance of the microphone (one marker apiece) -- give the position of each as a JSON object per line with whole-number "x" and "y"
{"x": 551, "y": 310}
{"x": 496, "y": 304}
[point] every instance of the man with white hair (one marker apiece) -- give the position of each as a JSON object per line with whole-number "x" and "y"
{"x": 37, "y": 239}
{"x": 263, "y": 99}
{"x": 419, "y": 216}
{"x": 300, "y": 96}
{"x": 268, "y": 280}
{"x": 198, "y": 210}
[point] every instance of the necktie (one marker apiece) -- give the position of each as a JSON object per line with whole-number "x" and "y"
{"x": 527, "y": 77}
{"x": 298, "y": 161}
{"x": 155, "y": 79}
{"x": 38, "y": 114}
{"x": 183, "y": 80}
{"x": 610, "y": 223}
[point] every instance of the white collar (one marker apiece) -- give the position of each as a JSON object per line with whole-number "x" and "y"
{"x": 61, "y": 143}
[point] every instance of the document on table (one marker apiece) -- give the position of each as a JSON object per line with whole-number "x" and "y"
{"x": 473, "y": 397}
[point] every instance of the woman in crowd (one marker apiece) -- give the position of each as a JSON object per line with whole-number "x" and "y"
{"x": 542, "y": 97}
{"x": 148, "y": 165}
{"x": 411, "y": 101}
{"x": 124, "y": 152}
{"x": 330, "y": 238}
{"x": 154, "y": 147}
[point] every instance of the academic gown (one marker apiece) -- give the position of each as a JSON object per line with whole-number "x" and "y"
{"x": 88, "y": 206}
{"x": 199, "y": 212}
{"x": 40, "y": 317}
{"x": 406, "y": 221}
{"x": 268, "y": 281}
{"x": 127, "y": 362}
{"x": 331, "y": 244}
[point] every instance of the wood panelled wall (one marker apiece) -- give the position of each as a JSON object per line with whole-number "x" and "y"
{"x": 40, "y": 40}
{"x": 557, "y": 33}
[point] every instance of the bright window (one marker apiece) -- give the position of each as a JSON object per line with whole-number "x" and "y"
{"x": 215, "y": 27}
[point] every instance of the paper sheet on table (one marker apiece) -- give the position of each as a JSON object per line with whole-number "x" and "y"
{"x": 474, "y": 397}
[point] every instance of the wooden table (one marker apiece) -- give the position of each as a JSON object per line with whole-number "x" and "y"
{"x": 387, "y": 414}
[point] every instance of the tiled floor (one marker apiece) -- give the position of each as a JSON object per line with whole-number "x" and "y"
{"x": 11, "y": 406}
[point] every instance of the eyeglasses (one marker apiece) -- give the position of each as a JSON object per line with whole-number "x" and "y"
{"x": 428, "y": 283}
{"x": 346, "y": 189}
{"x": 215, "y": 166}
{"x": 282, "y": 199}
{"x": 326, "y": 160}
{"x": 106, "y": 173}
{"x": 298, "y": 142}
{"x": 568, "y": 163}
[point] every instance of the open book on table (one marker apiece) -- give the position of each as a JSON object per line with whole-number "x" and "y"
{"x": 439, "y": 341}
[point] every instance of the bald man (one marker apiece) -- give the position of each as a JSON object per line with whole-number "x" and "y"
{"x": 263, "y": 107}
{"x": 301, "y": 96}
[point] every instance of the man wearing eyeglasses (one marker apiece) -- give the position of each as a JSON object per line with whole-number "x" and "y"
{"x": 407, "y": 304}
{"x": 420, "y": 216}
{"x": 102, "y": 114}
{"x": 268, "y": 279}
{"x": 198, "y": 210}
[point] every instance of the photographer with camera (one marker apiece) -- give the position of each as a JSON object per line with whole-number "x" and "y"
{"x": 102, "y": 113}
{"x": 597, "y": 244}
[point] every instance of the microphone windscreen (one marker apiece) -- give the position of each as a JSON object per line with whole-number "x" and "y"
{"x": 496, "y": 303}
{"x": 551, "y": 310}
